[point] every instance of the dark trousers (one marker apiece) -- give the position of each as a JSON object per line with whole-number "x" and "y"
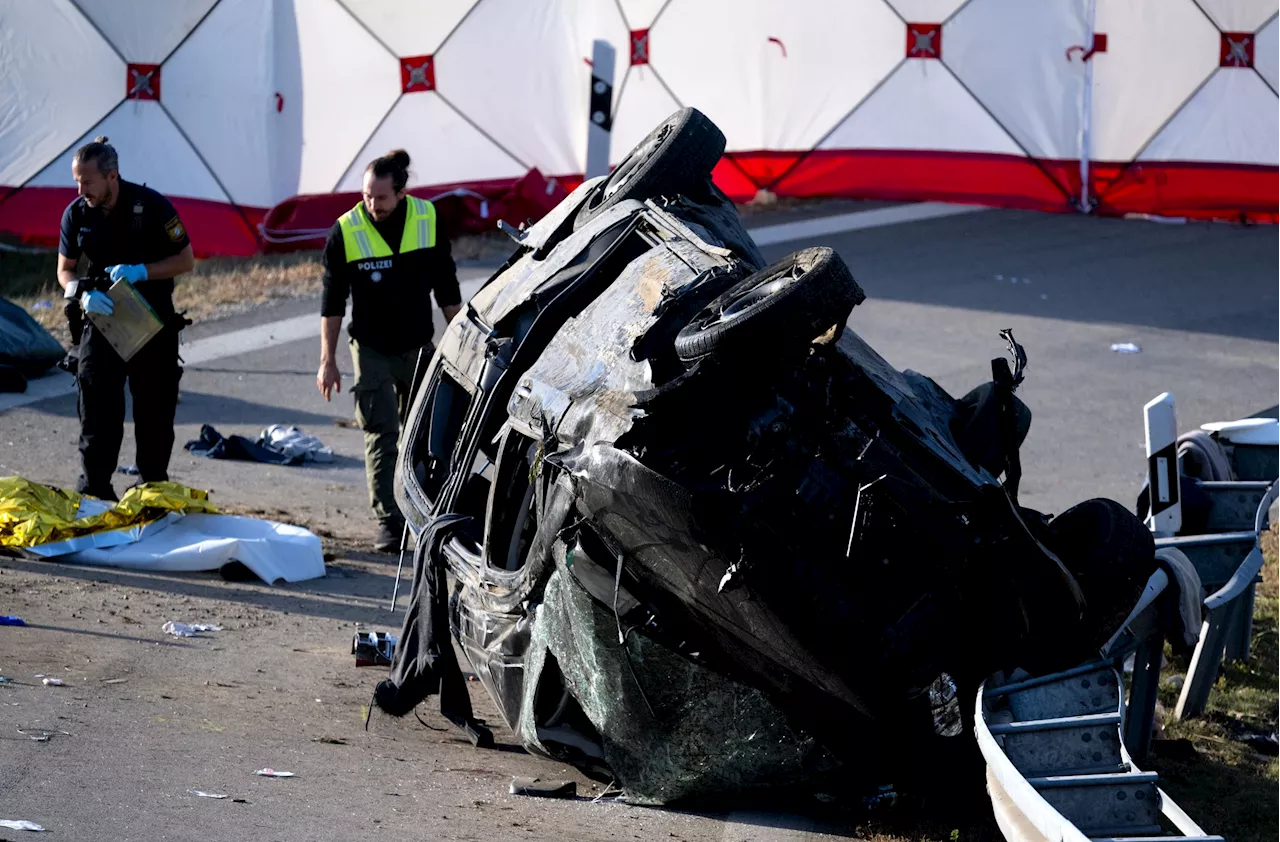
{"x": 152, "y": 375}
{"x": 383, "y": 389}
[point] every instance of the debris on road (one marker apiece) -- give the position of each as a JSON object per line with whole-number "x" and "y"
{"x": 294, "y": 443}
{"x": 1125, "y": 348}
{"x": 185, "y": 630}
{"x": 272, "y": 773}
{"x": 10, "y": 824}
{"x": 214, "y": 445}
{"x": 373, "y": 648}
{"x": 202, "y": 794}
{"x": 128, "y": 470}
{"x": 54, "y": 682}
{"x": 10, "y": 620}
{"x": 538, "y": 788}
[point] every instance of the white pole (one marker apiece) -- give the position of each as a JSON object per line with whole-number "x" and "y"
{"x": 600, "y": 109}
{"x": 1086, "y": 142}
{"x": 1165, "y": 517}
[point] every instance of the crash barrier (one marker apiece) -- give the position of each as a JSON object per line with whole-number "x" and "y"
{"x": 1222, "y": 540}
{"x": 1057, "y": 766}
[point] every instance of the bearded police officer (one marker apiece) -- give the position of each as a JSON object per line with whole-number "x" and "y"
{"x": 388, "y": 254}
{"x": 127, "y": 231}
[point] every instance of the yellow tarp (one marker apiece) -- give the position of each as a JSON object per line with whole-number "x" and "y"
{"x": 33, "y": 514}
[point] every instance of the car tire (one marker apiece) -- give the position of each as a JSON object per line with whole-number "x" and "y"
{"x": 674, "y": 158}
{"x": 785, "y": 305}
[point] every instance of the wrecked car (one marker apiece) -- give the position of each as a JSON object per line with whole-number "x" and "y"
{"x": 692, "y": 533}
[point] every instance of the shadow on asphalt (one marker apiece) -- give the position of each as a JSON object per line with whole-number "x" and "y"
{"x": 1201, "y": 277}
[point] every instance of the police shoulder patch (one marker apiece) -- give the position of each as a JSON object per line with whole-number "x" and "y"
{"x": 175, "y": 229}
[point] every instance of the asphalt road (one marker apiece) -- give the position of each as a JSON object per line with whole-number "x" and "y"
{"x": 1200, "y": 301}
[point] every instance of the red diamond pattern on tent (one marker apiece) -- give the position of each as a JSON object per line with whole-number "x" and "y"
{"x": 417, "y": 73}
{"x": 924, "y": 40}
{"x": 639, "y": 46}
{"x": 142, "y": 81}
{"x": 1237, "y": 50}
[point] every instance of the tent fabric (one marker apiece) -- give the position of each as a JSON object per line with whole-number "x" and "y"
{"x": 1108, "y": 106}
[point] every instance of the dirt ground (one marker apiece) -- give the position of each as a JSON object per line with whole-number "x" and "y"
{"x": 144, "y": 718}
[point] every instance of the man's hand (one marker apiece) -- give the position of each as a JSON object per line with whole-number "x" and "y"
{"x": 131, "y": 273}
{"x": 97, "y": 302}
{"x": 328, "y": 379}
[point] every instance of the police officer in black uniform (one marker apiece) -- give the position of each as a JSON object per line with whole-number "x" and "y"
{"x": 127, "y": 231}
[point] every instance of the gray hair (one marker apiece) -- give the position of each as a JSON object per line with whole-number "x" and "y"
{"x": 101, "y": 153}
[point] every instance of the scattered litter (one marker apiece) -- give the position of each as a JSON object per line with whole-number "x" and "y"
{"x": 4, "y": 679}
{"x": 10, "y": 620}
{"x": 185, "y": 630}
{"x": 21, "y": 825}
{"x": 239, "y": 801}
{"x": 203, "y": 794}
{"x": 333, "y": 741}
{"x": 272, "y": 773}
{"x": 115, "y": 681}
{"x": 54, "y": 682}
{"x": 215, "y": 445}
{"x": 1125, "y": 348}
{"x": 41, "y": 735}
{"x": 538, "y": 788}
{"x": 127, "y": 470}
{"x": 294, "y": 443}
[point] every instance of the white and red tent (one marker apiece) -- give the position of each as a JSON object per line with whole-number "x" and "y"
{"x": 233, "y": 107}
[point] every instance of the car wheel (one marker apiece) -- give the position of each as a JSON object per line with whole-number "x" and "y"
{"x": 785, "y": 305}
{"x": 674, "y": 158}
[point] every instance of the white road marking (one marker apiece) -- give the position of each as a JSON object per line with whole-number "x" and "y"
{"x": 259, "y": 337}
{"x": 858, "y": 221}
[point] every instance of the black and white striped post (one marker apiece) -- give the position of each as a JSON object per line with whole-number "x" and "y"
{"x": 1163, "y": 486}
{"x": 600, "y": 109}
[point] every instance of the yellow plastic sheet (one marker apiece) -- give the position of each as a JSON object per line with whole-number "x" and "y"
{"x": 33, "y": 514}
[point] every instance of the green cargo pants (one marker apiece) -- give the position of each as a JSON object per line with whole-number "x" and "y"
{"x": 383, "y": 390}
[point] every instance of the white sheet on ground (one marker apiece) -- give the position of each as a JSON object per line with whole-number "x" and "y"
{"x": 273, "y": 551}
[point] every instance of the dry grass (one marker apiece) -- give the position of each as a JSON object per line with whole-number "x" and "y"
{"x": 1227, "y": 785}
{"x": 217, "y": 287}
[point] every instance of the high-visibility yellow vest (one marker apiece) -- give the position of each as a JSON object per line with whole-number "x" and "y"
{"x": 362, "y": 241}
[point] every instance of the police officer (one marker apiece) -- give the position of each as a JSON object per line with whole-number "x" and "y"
{"x": 388, "y": 254}
{"x": 127, "y": 231}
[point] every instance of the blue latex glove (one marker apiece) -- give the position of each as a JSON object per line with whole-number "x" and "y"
{"x": 97, "y": 302}
{"x": 131, "y": 273}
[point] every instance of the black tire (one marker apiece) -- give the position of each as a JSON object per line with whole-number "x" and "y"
{"x": 785, "y": 305}
{"x": 674, "y": 158}
{"x": 1111, "y": 554}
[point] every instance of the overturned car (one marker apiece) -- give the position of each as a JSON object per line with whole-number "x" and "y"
{"x": 693, "y": 534}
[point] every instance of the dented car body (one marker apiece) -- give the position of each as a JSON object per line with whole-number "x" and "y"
{"x": 691, "y": 532}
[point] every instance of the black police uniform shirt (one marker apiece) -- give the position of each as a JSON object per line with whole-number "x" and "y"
{"x": 390, "y": 296}
{"x": 142, "y": 227}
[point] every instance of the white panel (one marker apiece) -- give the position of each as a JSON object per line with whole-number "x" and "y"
{"x": 411, "y": 29}
{"x": 151, "y": 151}
{"x": 718, "y": 57}
{"x": 644, "y": 104}
{"x": 145, "y": 31}
{"x": 640, "y": 13}
{"x": 443, "y": 147}
{"x": 228, "y": 114}
{"x": 1011, "y": 54}
{"x": 1232, "y": 120}
{"x": 520, "y": 71}
{"x": 77, "y": 70}
{"x": 349, "y": 83}
{"x": 1265, "y": 53}
{"x": 1239, "y": 15}
{"x": 1158, "y": 53}
{"x": 922, "y": 106}
{"x": 925, "y": 11}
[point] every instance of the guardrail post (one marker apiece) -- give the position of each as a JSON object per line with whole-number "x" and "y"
{"x": 600, "y": 109}
{"x": 1162, "y": 466}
